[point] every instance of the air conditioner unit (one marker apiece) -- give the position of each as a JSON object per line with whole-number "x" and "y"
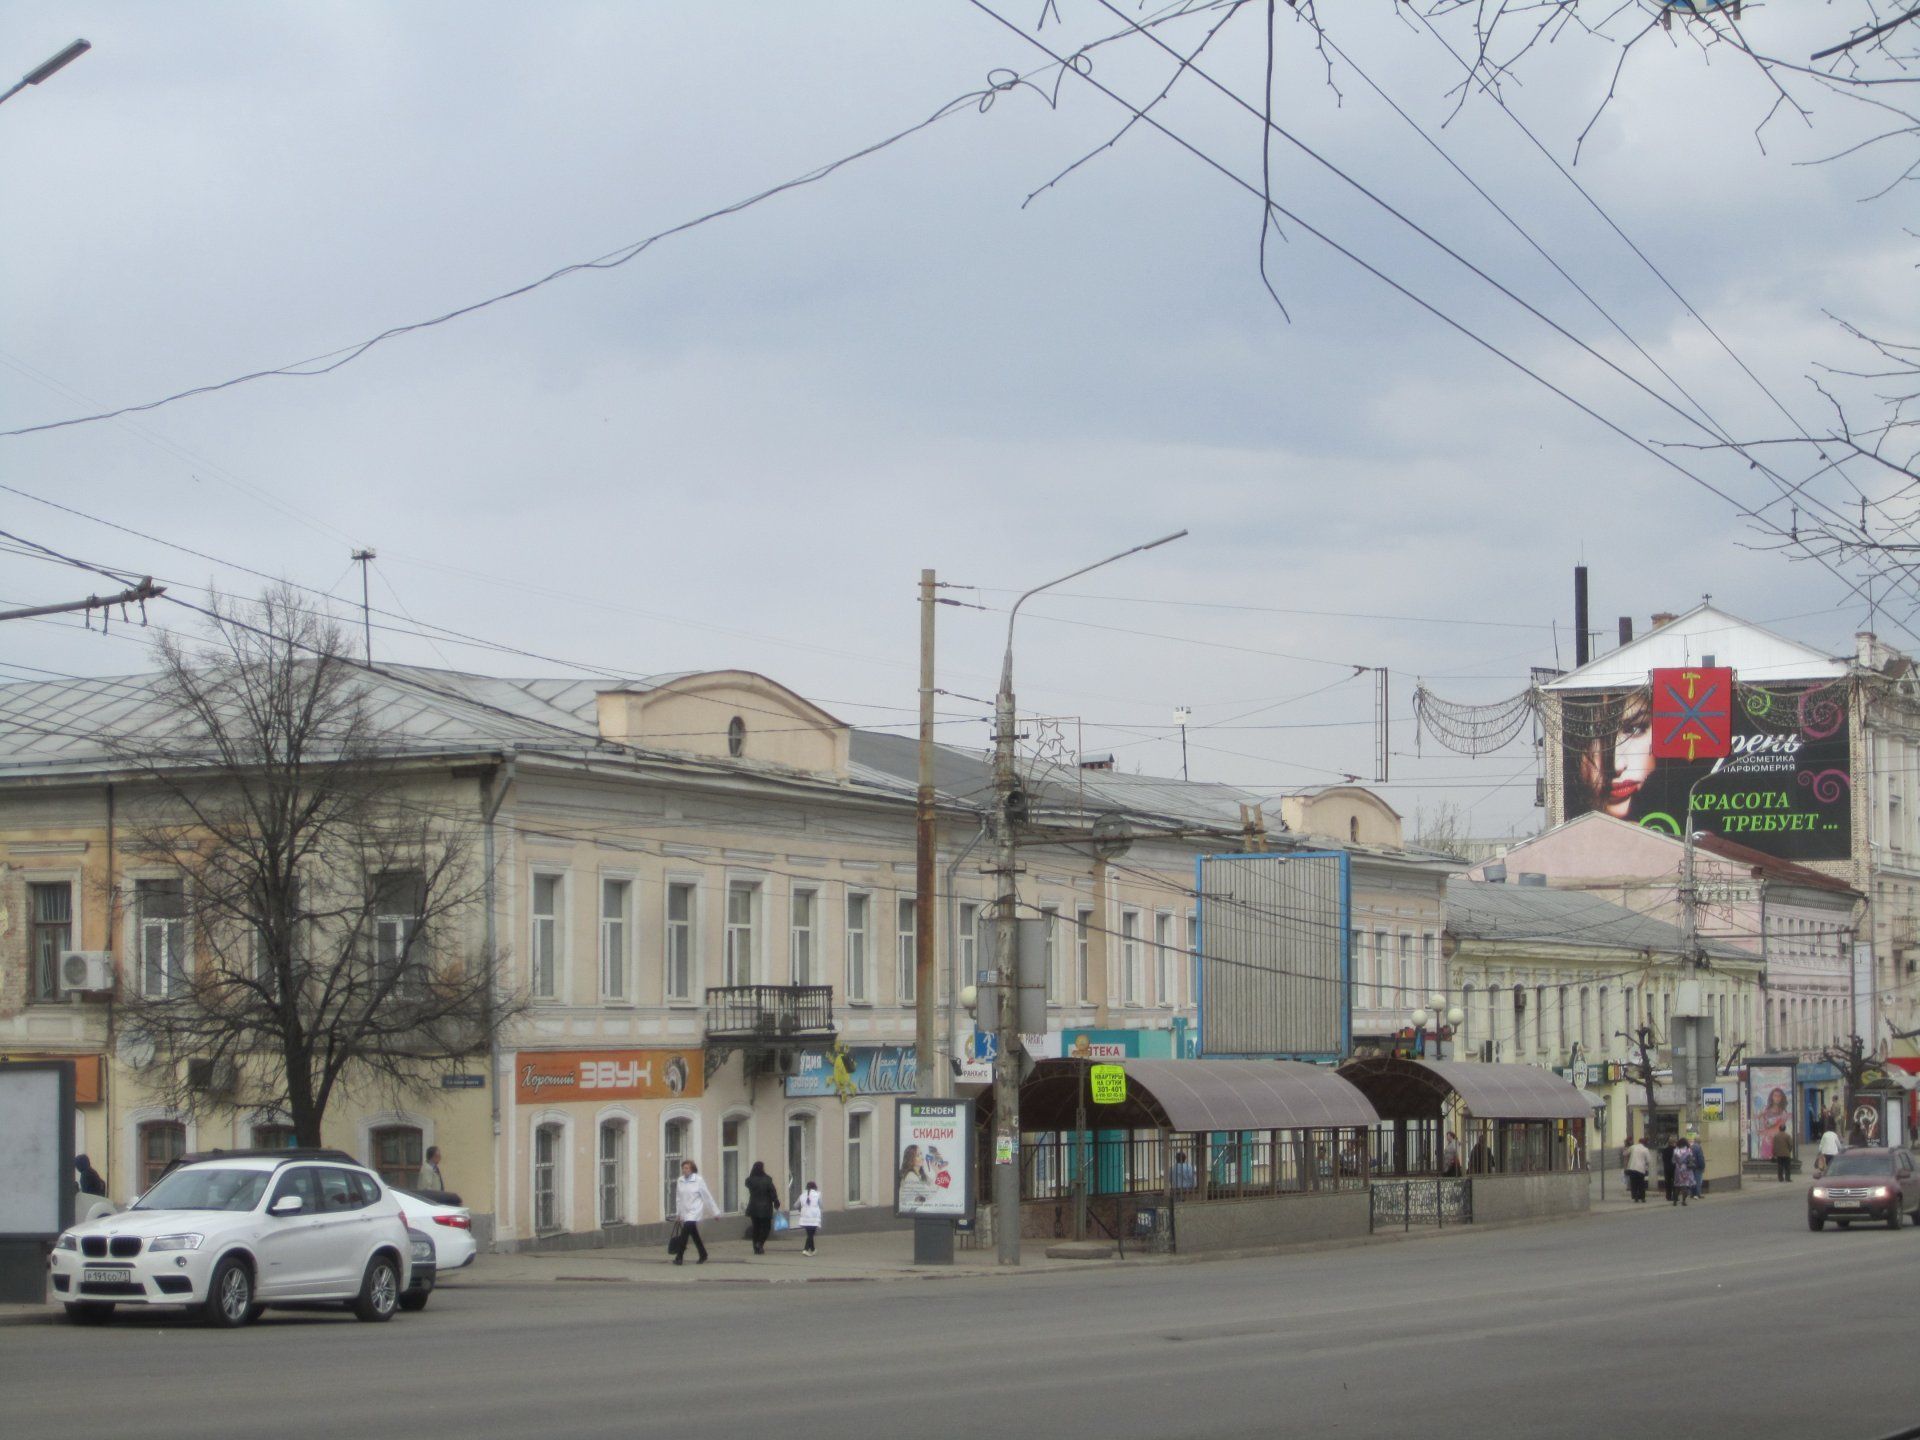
{"x": 213, "y": 1077}
{"x": 786, "y": 1062}
{"x": 86, "y": 971}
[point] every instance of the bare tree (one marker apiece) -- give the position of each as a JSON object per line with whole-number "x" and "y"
{"x": 1643, "y": 1041}
{"x": 312, "y": 936}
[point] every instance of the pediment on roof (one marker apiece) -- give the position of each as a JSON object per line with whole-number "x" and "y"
{"x": 734, "y": 715}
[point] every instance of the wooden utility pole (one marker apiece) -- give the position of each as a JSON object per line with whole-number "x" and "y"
{"x": 932, "y": 1239}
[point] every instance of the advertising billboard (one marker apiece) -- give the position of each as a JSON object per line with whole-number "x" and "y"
{"x": 933, "y": 1159}
{"x": 1769, "y": 1107}
{"x": 1785, "y": 787}
{"x": 550, "y": 1076}
{"x": 1273, "y": 955}
{"x": 856, "y": 1070}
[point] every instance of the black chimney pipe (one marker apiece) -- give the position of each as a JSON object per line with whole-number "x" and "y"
{"x": 1626, "y": 629}
{"x": 1582, "y": 646}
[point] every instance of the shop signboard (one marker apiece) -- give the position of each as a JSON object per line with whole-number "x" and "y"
{"x": 546, "y": 1077}
{"x": 933, "y": 1159}
{"x": 855, "y": 1070}
{"x": 1769, "y": 1107}
{"x": 1107, "y": 1084}
{"x": 1783, "y": 786}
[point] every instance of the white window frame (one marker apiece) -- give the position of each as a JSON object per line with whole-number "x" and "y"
{"x": 906, "y": 959}
{"x": 546, "y": 934}
{"x": 670, "y": 1165}
{"x": 559, "y": 1173}
{"x": 1164, "y": 983}
{"x": 803, "y": 941}
{"x": 620, "y": 1171}
{"x": 616, "y": 941}
{"x": 686, "y": 931}
{"x": 1056, "y": 982}
{"x": 741, "y": 946}
{"x": 858, "y": 948}
{"x": 857, "y": 1178}
{"x": 969, "y": 959}
{"x": 174, "y": 941}
{"x": 75, "y": 940}
{"x": 744, "y": 1119}
{"x": 1192, "y": 966}
{"x": 1132, "y": 962}
{"x": 1083, "y": 953}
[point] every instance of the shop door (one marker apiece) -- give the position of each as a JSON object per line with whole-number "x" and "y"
{"x": 801, "y": 1153}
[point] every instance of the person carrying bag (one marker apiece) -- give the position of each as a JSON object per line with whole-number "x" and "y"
{"x": 692, "y": 1203}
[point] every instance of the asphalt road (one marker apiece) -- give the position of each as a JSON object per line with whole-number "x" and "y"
{"x": 1727, "y": 1318}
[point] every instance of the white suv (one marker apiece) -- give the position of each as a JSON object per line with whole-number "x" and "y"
{"x": 234, "y": 1233}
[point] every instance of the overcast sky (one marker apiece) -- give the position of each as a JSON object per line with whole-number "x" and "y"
{"x": 740, "y": 448}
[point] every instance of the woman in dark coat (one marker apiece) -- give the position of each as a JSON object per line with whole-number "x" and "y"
{"x": 762, "y": 1201}
{"x": 88, "y": 1178}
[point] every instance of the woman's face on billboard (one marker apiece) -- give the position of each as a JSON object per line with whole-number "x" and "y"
{"x": 1616, "y": 778}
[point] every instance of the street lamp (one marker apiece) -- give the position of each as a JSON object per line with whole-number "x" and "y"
{"x": 1444, "y": 1021}
{"x": 52, "y": 67}
{"x": 1009, "y": 812}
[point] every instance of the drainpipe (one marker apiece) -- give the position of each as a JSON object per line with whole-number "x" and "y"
{"x": 953, "y": 949}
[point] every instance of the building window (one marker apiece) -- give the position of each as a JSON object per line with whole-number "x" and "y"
{"x": 1163, "y": 971}
{"x": 736, "y": 737}
{"x": 161, "y": 1143}
{"x": 51, "y": 909}
{"x": 398, "y": 898}
{"x": 1430, "y": 961}
{"x": 801, "y": 938}
{"x": 546, "y": 1178}
{"x": 679, "y": 956}
{"x": 906, "y": 944}
{"x": 1056, "y": 982}
{"x": 397, "y": 1153}
{"x": 676, "y": 1145}
{"x": 616, "y": 898}
{"x": 1193, "y": 957}
{"x": 1131, "y": 978}
{"x": 858, "y": 908}
{"x": 161, "y": 910}
{"x": 546, "y": 938}
{"x": 1083, "y": 954}
{"x": 1386, "y": 984}
{"x": 613, "y": 1172}
{"x": 1362, "y": 971}
{"x": 274, "y": 1137}
{"x": 859, "y": 1143}
{"x": 968, "y": 961}
{"x": 1467, "y": 1035}
{"x": 732, "y": 1139}
{"x": 1410, "y": 990}
{"x": 743, "y": 932}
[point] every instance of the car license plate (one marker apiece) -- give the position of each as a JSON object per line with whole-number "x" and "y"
{"x": 1846, "y": 1204}
{"x": 96, "y": 1275}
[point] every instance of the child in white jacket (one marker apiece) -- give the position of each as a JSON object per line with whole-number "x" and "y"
{"x": 807, "y": 1212}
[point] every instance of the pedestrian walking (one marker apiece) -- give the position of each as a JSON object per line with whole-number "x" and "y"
{"x": 1829, "y": 1147}
{"x": 1637, "y": 1161}
{"x": 430, "y": 1177}
{"x": 1666, "y": 1167}
{"x": 1682, "y": 1188}
{"x": 1697, "y": 1164}
{"x": 692, "y": 1203}
{"x": 762, "y": 1201}
{"x": 1450, "y": 1155}
{"x": 1783, "y": 1153}
{"x": 807, "y": 1211}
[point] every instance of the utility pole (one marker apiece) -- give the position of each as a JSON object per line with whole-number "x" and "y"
{"x": 932, "y": 1239}
{"x": 139, "y": 594}
{"x": 1689, "y": 998}
{"x": 360, "y": 558}
{"x": 1182, "y": 714}
{"x": 1009, "y": 813}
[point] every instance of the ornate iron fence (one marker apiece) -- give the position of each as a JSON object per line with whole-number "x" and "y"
{"x": 1440, "y": 1202}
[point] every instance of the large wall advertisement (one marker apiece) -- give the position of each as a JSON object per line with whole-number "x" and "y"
{"x": 1786, "y": 789}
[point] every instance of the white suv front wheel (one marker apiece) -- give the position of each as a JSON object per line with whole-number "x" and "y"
{"x": 229, "y": 1303}
{"x": 379, "y": 1293}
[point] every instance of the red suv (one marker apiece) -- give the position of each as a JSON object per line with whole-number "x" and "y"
{"x": 1869, "y": 1183}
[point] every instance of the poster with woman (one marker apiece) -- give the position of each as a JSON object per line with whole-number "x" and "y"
{"x": 1769, "y": 1107}
{"x": 1785, "y": 789}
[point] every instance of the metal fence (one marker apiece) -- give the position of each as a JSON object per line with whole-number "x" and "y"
{"x": 769, "y": 1010}
{"x": 1192, "y": 1168}
{"x": 1404, "y": 1204}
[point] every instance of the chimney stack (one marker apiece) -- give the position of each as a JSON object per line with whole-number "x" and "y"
{"x": 1662, "y": 617}
{"x": 1582, "y": 649}
{"x": 1626, "y": 629}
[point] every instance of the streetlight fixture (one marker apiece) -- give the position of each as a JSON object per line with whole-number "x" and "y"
{"x": 1009, "y": 812}
{"x": 52, "y": 67}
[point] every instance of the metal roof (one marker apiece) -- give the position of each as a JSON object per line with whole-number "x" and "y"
{"x": 1410, "y": 1089}
{"x": 1755, "y": 653}
{"x": 1540, "y": 914}
{"x": 1199, "y": 1095}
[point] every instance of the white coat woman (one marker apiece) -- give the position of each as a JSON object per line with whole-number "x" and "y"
{"x": 692, "y": 1203}
{"x": 806, "y": 1214}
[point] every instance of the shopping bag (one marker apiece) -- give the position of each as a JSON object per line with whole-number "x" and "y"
{"x": 779, "y": 1221}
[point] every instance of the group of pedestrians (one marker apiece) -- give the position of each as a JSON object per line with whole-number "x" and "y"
{"x": 1683, "y": 1166}
{"x": 693, "y": 1203}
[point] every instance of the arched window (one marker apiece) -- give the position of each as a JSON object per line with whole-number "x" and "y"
{"x": 161, "y": 1143}
{"x": 546, "y": 1178}
{"x": 613, "y": 1172}
{"x": 397, "y": 1154}
{"x": 736, "y": 737}
{"x": 1353, "y": 827}
{"x": 676, "y": 1144}
{"x": 733, "y": 1141}
{"x": 1468, "y": 1036}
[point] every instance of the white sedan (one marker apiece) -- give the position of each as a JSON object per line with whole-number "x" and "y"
{"x": 451, "y": 1229}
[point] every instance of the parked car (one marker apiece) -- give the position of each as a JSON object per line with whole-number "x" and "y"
{"x": 452, "y": 1227}
{"x": 1865, "y": 1183}
{"x": 232, "y": 1233}
{"x": 425, "y": 1271}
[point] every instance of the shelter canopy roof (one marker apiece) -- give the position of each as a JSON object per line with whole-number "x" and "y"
{"x": 1414, "y": 1089}
{"x": 1199, "y": 1095}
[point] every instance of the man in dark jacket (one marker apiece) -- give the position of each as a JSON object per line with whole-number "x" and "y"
{"x": 762, "y": 1200}
{"x": 88, "y": 1178}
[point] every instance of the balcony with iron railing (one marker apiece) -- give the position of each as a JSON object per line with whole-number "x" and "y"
{"x": 772, "y": 1016}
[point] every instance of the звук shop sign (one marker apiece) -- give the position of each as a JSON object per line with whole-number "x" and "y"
{"x": 546, "y": 1077}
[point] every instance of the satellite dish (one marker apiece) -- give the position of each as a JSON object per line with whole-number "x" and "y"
{"x": 1112, "y": 837}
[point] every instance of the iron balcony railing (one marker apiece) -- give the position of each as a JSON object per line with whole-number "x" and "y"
{"x": 770, "y": 1012}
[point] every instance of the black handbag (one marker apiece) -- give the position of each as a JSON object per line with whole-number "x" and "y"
{"x": 677, "y": 1241}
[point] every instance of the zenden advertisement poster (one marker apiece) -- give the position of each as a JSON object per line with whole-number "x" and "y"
{"x": 1785, "y": 790}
